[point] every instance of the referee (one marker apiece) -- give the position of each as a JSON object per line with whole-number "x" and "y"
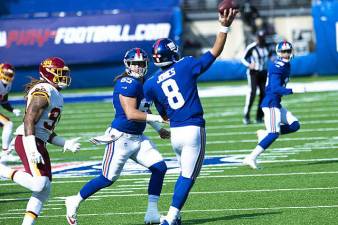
{"x": 256, "y": 59}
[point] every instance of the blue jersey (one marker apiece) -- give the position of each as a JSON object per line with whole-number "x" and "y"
{"x": 174, "y": 91}
{"x": 278, "y": 77}
{"x": 129, "y": 87}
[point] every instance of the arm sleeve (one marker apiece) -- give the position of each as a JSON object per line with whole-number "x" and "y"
{"x": 202, "y": 64}
{"x": 5, "y": 104}
{"x": 276, "y": 82}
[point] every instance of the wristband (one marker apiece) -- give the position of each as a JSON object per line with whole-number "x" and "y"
{"x": 224, "y": 29}
{"x": 154, "y": 118}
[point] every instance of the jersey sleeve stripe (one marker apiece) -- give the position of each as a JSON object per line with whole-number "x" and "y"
{"x": 40, "y": 93}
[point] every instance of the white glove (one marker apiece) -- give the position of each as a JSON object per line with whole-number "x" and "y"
{"x": 154, "y": 118}
{"x": 72, "y": 145}
{"x": 103, "y": 139}
{"x": 109, "y": 136}
{"x": 34, "y": 155}
{"x": 17, "y": 112}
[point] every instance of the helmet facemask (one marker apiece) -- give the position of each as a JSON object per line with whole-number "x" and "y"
{"x": 61, "y": 76}
{"x": 285, "y": 55}
{"x": 136, "y": 69}
{"x": 136, "y": 62}
{"x": 284, "y": 51}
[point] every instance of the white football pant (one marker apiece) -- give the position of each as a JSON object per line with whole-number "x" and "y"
{"x": 273, "y": 117}
{"x": 189, "y": 145}
{"x": 136, "y": 147}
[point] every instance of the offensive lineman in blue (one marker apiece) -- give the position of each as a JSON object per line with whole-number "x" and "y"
{"x": 124, "y": 139}
{"x": 174, "y": 92}
{"x": 277, "y": 119}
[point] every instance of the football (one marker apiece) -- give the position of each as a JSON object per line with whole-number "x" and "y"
{"x": 226, "y": 4}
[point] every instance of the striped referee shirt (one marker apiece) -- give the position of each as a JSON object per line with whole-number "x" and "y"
{"x": 256, "y": 54}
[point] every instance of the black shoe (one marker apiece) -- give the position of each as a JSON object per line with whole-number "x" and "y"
{"x": 246, "y": 121}
{"x": 259, "y": 120}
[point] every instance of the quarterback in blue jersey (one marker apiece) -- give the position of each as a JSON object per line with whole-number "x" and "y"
{"x": 124, "y": 139}
{"x": 277, "y": 119}
{"x": 174, "y": 93}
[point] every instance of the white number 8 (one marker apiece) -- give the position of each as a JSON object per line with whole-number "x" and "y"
{"x": 171, "y": 90}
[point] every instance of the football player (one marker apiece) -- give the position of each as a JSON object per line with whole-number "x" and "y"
{"x": 125, "y": 140}
{"x": 278, "y": 120}
{"x": 174, "y": 92}
{"x": 7, "y": 73}
{"x": 43, "y": 111}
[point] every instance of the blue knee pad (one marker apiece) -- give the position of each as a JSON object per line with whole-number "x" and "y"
{"x": 268, "y": 140}
{"x": 94, "y": 185}
{"x": 286, "y": 129}
{"x": 158, "y": 171}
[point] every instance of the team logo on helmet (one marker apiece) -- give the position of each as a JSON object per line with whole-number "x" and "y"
{"x": 54, "y": 71}
{"x": 165, "y": 52}
{"x": 7, "y": 73}
{"x": 136, "y": 61}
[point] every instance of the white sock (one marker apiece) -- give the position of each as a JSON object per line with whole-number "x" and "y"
{"x": 172, "y": 214}
{"x": 77, "y": 199}
{"x": 256, "y": 152}
{"x": 152, "y": 202}
{"x": 6, "y": 134}
{"x": 6, "y": 171}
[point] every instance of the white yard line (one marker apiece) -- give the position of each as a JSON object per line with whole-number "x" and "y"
{"x": 321, "y": 207}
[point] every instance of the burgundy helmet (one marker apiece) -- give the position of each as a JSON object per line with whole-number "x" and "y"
{"x": 54, "y": 71}
{"x": 7, "y": 72}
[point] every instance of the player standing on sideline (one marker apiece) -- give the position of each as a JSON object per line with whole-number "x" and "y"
{"x": 7, "y": 73}
{"x": 256, "y": 58}
{"x": 174, "y": 92}
{"x": 43, "y": 111}
{"x": 125, "y": 139}
{"x": 274, "y": 113}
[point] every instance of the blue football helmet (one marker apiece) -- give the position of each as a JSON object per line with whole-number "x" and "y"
{"x": 165, "y": 52}
{"x": 136, "y": 61}
{"x": 284, "y": 51}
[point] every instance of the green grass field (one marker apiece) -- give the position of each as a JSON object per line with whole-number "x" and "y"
{"x": 298, "y": 184}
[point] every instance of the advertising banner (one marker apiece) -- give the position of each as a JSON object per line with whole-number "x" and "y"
{"x": 85, "y": 39}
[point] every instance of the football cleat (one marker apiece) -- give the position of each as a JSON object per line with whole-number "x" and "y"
{"x": 261, "y": 134}
{"x": 248, "y": 161}
{"x": 246, "y": 121}
{"x": 164, "y": 221}
{"x": 152, "y": 217}
{"x": 8, "y": 156}
{"x": 71, "y": 210}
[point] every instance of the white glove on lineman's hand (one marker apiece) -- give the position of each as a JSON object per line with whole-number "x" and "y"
{"x": 34, "y": 155}
{"x": 103, "y": 139}
{"x": 17, "y": 112}
{"x": 154, "y": 118}
{"x": 72, "y": 145}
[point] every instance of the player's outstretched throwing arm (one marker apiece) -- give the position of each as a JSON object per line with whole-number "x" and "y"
{"x": 225, "y": 20}
{"x": 207, "y": 59}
